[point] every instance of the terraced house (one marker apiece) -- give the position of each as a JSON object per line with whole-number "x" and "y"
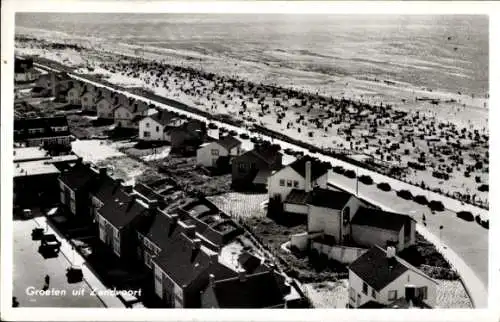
{"x": 128, "y": 115}
{"x": 42, "y": 131}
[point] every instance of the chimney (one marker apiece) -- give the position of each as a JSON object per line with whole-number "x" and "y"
{"x": 308, "y": 176}
{"x": 153, "y": 204}
{"x": 211, "y": 279}
{"x": 131, "y": 203}
{"x": 173, "y": 218}
{"x": 391, "y": 251}
{"x": 242, "y": 276}
{"x": 103, "y": 171}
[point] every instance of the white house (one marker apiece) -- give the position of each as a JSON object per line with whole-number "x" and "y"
{"x": 155, "y": 127}
{"x": 104, "y": 108}
{"x": 208, "y": 154}
{"x": 303, "y": 174}
{"x": 379, "y": 276}
{"x": 128, "y": 116}
{"x": 87, "y": 100}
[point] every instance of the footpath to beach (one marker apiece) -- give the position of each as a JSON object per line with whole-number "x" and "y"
{"x": 469, "y": 260}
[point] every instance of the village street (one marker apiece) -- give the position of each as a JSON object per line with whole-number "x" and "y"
{"x": 30, "y": 268}
{"x": 466, "y": 242}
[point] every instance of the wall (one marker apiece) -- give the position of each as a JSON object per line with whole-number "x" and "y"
{"x": 104, "y": 110}
{"x": 208, "y": 299}
{"x": 87, "y": 101}
{"x": 324, "y": 219}
{"x": 154, "y": 135}
{"x": 123, "y": 117}
{"x": 343, "y": 254}
{"x": 296, "y": 209}
{"x": 356, "y": 283}
{"x": 413, "y": 278}
{"x": 351, "y": 207}
{"x": 273, "y": 182}
{"x": 204, "y": 155}
{"x": 235, "y": 151}
{"x": 300, "y": 241}
{"x": 370, "y": 236}
{"x": 74, "y": 96}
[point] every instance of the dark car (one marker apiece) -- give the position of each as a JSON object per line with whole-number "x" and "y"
{"x": 49, "y": 241}
{"x": 37, "y": 234}
{"x": 74, "y": 274}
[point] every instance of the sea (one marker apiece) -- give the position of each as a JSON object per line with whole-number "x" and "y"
{"x": 444, "y": 52}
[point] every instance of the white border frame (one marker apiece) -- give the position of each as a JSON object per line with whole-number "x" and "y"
{"x": 9, "y": 7}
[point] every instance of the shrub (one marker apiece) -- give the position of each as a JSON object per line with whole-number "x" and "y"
{"x": 436, "y": 205}
{"x": 212, "y": 126}
{"x": 485, "y": 223}
{"x": 338, "y": 169}
{"x": 384, "y": 186}
{"x": 366, "y": 179}
{"x": 350, "y": 174}
{"x": 415, "y": 165}
{"x": 421, "y": 199}
{"x": 483, "y": 188}
{"x": 405, "y": 194}
{"x": 244, "y": 136}
{"x": 233, "y": 133}
{"x": 478, "y": 219}
{"x": 465, "y": 215}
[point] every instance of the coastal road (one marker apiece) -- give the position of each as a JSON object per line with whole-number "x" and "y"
{"x": 468, "y": 241}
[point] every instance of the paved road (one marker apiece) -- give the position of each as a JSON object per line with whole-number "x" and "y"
{"x": 30, "y": 269}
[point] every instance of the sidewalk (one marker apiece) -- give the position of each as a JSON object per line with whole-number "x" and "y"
{"x": 76, "y": 259}
{"x": 475, "y": 288}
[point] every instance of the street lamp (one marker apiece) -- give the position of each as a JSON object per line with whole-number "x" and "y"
{"x": 440, "y": 230}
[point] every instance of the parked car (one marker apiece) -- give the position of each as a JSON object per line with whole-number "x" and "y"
{"x": 50, "y": 241}
{"x": 74, "y": 274}
{"x": 37, "y": 233}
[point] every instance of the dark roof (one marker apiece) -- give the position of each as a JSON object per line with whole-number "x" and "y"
{"x": 162, "y": 229}
{"x": 327, "y": 198}
{"x": 318, "y": 168}
{"x": 105, "y": 188}
{"x": 298, "y": 197}
{"x": 249, "y": 262}
{"x": 255, "y": 291}
{"x": 378, "y": 271}
{"x": 122, "y": 209}
{"x": 79, "y": 176}
{"x": 163, "y": 117}
{"x": 367, "y": 216}
{"x": 181, "y": 262}
{"x": 229, "y": 142}
{"x": 267, "y": 153}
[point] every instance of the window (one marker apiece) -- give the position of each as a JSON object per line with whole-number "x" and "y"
{"x": 365, "y": 288}
{"x": 422, "y": 292}
{"x": 374, "y": 294}
{"x": 157, "y": 129}
{"x": 242, "y": 167}
{"x": 147, "y": 259}
{"x": 282, "y": 182}
{"x": 393, "y": 295}
{"x": 146, "y": 134}
{"x": 215, "y": 152}
{"x": 295, "y": 184}
{"x": 289, "y": 183}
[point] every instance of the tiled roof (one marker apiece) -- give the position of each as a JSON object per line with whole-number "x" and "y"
{"x": 297, "y": 196}
{"x": 267, "y": 153}
{"x": 163, "y": 117}
{"x": 378, "y": 271}
{"x": 318, "y": 168}
{"x": 259, "y": 290}
{"x": 105, "y": 188}
{"x": 229, "y": 142}
{"x": 367, "y": 216}
{"x": 327, "y": 198}
{"x": 162, "y": 229}
{"x": 122, "y": 209}
{"x": 79, "y": 176}
{"x": 249, "y": 262}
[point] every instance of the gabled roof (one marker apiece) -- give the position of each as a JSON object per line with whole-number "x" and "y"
{"x": 79, "y": 176}
{"x": 376, "y": 270}
{"x": 249, "y": 262}
{"x": 122, "y": 209}
{"x": 146, "y": 192}
{"x": 105, "y": 188}
{"x": 229, "y": 142}
{"x": 163, "y": 117}
{"x": 268, "y": 154}
{"x": 259, "y": 290}
{"x": 162, "y": 229}
{"x": 318, "y": 168}
{"x": 366, "y": 216}
{"x": 327, "y": 198}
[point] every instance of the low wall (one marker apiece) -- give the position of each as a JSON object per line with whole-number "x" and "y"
{"x": 300, "y": 241}
{"x": 343, "y": 254}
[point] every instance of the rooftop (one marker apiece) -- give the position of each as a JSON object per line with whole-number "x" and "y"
{"x": 318, "y": 168}
{"x": 78, "y": 176}
{"x": 30, "y": 154}
{"x": 122, "y": 209}
{"x": 297, "y": 196}
{"x": 367, "y": 216}
{"x": 33, "y": 168}
{"x": 229, "y": 142}
{"x": 327, "y": 198}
